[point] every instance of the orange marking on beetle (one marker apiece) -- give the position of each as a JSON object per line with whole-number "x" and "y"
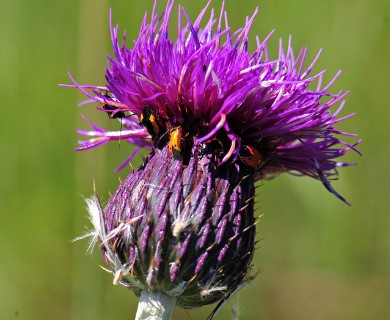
{"x": 176, "y": 142}
{"x": 251, "y": 157}
{"x": 149, "y": 121}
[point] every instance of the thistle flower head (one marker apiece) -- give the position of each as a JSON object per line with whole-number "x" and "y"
{"x": 216, "y": 118}
{"x": 222, "y": 97}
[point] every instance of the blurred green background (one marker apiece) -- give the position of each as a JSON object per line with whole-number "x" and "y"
{"x": 320, "y": 259}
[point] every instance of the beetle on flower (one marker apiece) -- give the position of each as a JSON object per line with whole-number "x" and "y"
{"x": 216, "y": 119}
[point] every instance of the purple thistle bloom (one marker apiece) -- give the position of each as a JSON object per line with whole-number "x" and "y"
{"x": 216, "y": 118}
{"x": 207, "y": 82}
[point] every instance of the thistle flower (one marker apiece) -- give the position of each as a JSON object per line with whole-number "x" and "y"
{"x": 215, "y": 118}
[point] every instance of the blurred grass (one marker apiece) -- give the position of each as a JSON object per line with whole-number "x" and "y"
{"x": 320, "y": 258}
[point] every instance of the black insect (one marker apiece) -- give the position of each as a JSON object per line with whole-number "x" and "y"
{"x": 149, "y": 121}
{"x": 112, "y": 111}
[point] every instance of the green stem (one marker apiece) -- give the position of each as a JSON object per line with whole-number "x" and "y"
{"x": 155, "y": 305}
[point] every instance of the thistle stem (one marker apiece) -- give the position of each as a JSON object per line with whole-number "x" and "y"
{"x": 155, "y": 305}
